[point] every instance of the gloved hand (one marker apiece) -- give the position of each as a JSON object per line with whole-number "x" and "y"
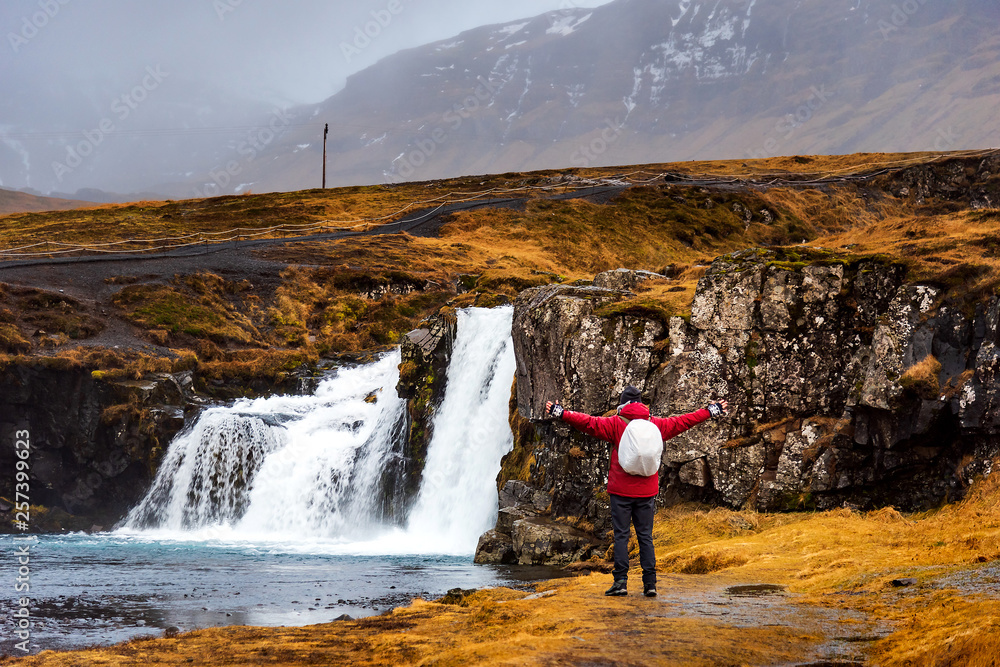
{"x": 554, "y": 409}
{"x": 718, "y": 408}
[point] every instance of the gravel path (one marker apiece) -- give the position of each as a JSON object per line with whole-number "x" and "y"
{"x": 93, "y": 280}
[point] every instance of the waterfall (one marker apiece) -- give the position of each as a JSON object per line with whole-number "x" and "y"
{"x": 294, "y": 465}
{"x": 457, "y": 501}
{"x": 326, "y": 467}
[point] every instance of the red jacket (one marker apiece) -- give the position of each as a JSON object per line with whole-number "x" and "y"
{"x": 610, "y": 429}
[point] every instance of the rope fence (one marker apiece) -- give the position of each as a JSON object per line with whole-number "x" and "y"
{"x": 634, "y": 178}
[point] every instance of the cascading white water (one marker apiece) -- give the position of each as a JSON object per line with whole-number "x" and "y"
{"x": 458, "y": 500}
{"x": 319, "y": 468}
{"x": 306, "y": 466}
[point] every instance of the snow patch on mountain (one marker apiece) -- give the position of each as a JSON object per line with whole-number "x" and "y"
{"x": 684, "y": 7}
{"x": 712, "y": 49}
{"x": 511, "y": 30}
{"x": 502, "y": 73}
{"x": 366, "y": 142}
{"x": 746, "y": 20}
{"x": 516, "y": 113}
{"x": 567, "y": 25}
{"x": 575, "y": 93}
{"x": 724, "y": 30}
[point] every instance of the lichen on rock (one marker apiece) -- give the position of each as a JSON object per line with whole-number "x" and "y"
{"x": 811, "y": 348}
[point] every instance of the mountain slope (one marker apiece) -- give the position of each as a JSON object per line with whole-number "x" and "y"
{"x": 12, "y": 201}
{"x": 119, "y": 135}
{"x": 659, "y": 80}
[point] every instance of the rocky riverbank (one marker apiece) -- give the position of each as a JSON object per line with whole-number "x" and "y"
{"x": 837, "y": 587}
{"x": 850, "y": 387}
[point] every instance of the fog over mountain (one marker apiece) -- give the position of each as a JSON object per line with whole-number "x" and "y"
{"x": 76, "y": 74}
{"x": 628, "y": 81}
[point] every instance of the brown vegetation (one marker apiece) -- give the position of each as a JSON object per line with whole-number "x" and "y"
{"x": 838, "y": 560}
{"x": 362, "y": 293}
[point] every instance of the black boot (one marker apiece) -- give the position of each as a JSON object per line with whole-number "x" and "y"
{"x": 649, "y": 590}
{"x": 620, "y": 587}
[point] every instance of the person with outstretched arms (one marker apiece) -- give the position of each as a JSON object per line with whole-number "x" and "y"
{"x": 633, "y": 494}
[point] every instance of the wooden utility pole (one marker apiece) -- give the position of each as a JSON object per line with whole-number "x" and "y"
{"x": 326, "y": 131}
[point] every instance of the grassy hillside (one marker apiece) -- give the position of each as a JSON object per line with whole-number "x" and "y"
{"x": 12, "y": 201}
{"x": 352, "y": 206}
{"x": 264, "y": 310}
{"x": 257, "y": 312}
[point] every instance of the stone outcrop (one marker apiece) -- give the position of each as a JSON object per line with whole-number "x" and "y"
{"x": 624, "y": 279}
{"x": 495, "y": 548}
{"x": 95, "y": 443}
{"x": 423, "y": 374}
{"x": 541, "y": 541}
{"x": 848, "y": 386}
{"x": 971, "y": 181}
{"x": 525, "y": 534}
{"x": 570, "y": 343}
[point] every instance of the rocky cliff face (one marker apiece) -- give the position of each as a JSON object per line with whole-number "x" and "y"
{"x": 848, "y": 386}
{"x": 423, "y": 375}
{"x": 95, "y": 444}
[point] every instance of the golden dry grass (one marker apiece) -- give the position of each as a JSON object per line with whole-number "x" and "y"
{"x": 834, "y": 560}
{"x": 922, "y": 378}
{"x": 666, "y": 227}
{"x": 354, "y": 205}
{"x": 843, "y": 558}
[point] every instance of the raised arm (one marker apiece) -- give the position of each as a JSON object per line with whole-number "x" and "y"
{"x": 603, "y": 428}
{"x": 671, "y": 426}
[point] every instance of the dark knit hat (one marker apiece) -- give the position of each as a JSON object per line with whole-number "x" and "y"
{"x": 630, "y": 395}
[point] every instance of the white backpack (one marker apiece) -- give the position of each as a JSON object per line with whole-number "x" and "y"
{"x": 641, "y": 448}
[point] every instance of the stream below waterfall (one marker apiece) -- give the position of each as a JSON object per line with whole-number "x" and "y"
{"x": 287, "y": 510}
{"x": 106, "y": 588}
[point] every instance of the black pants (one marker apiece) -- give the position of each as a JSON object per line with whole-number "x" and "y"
{"x": 638, "y": 512}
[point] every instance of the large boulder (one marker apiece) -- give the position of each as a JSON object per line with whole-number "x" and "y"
{"x": 525, "y": 534}
{"x": 847, "y": 384}
{"x": 539, "y": 541}
{"x": 495, "y": 548}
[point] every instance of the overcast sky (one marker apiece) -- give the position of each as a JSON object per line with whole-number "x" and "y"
{"x": 298, "y": 51}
